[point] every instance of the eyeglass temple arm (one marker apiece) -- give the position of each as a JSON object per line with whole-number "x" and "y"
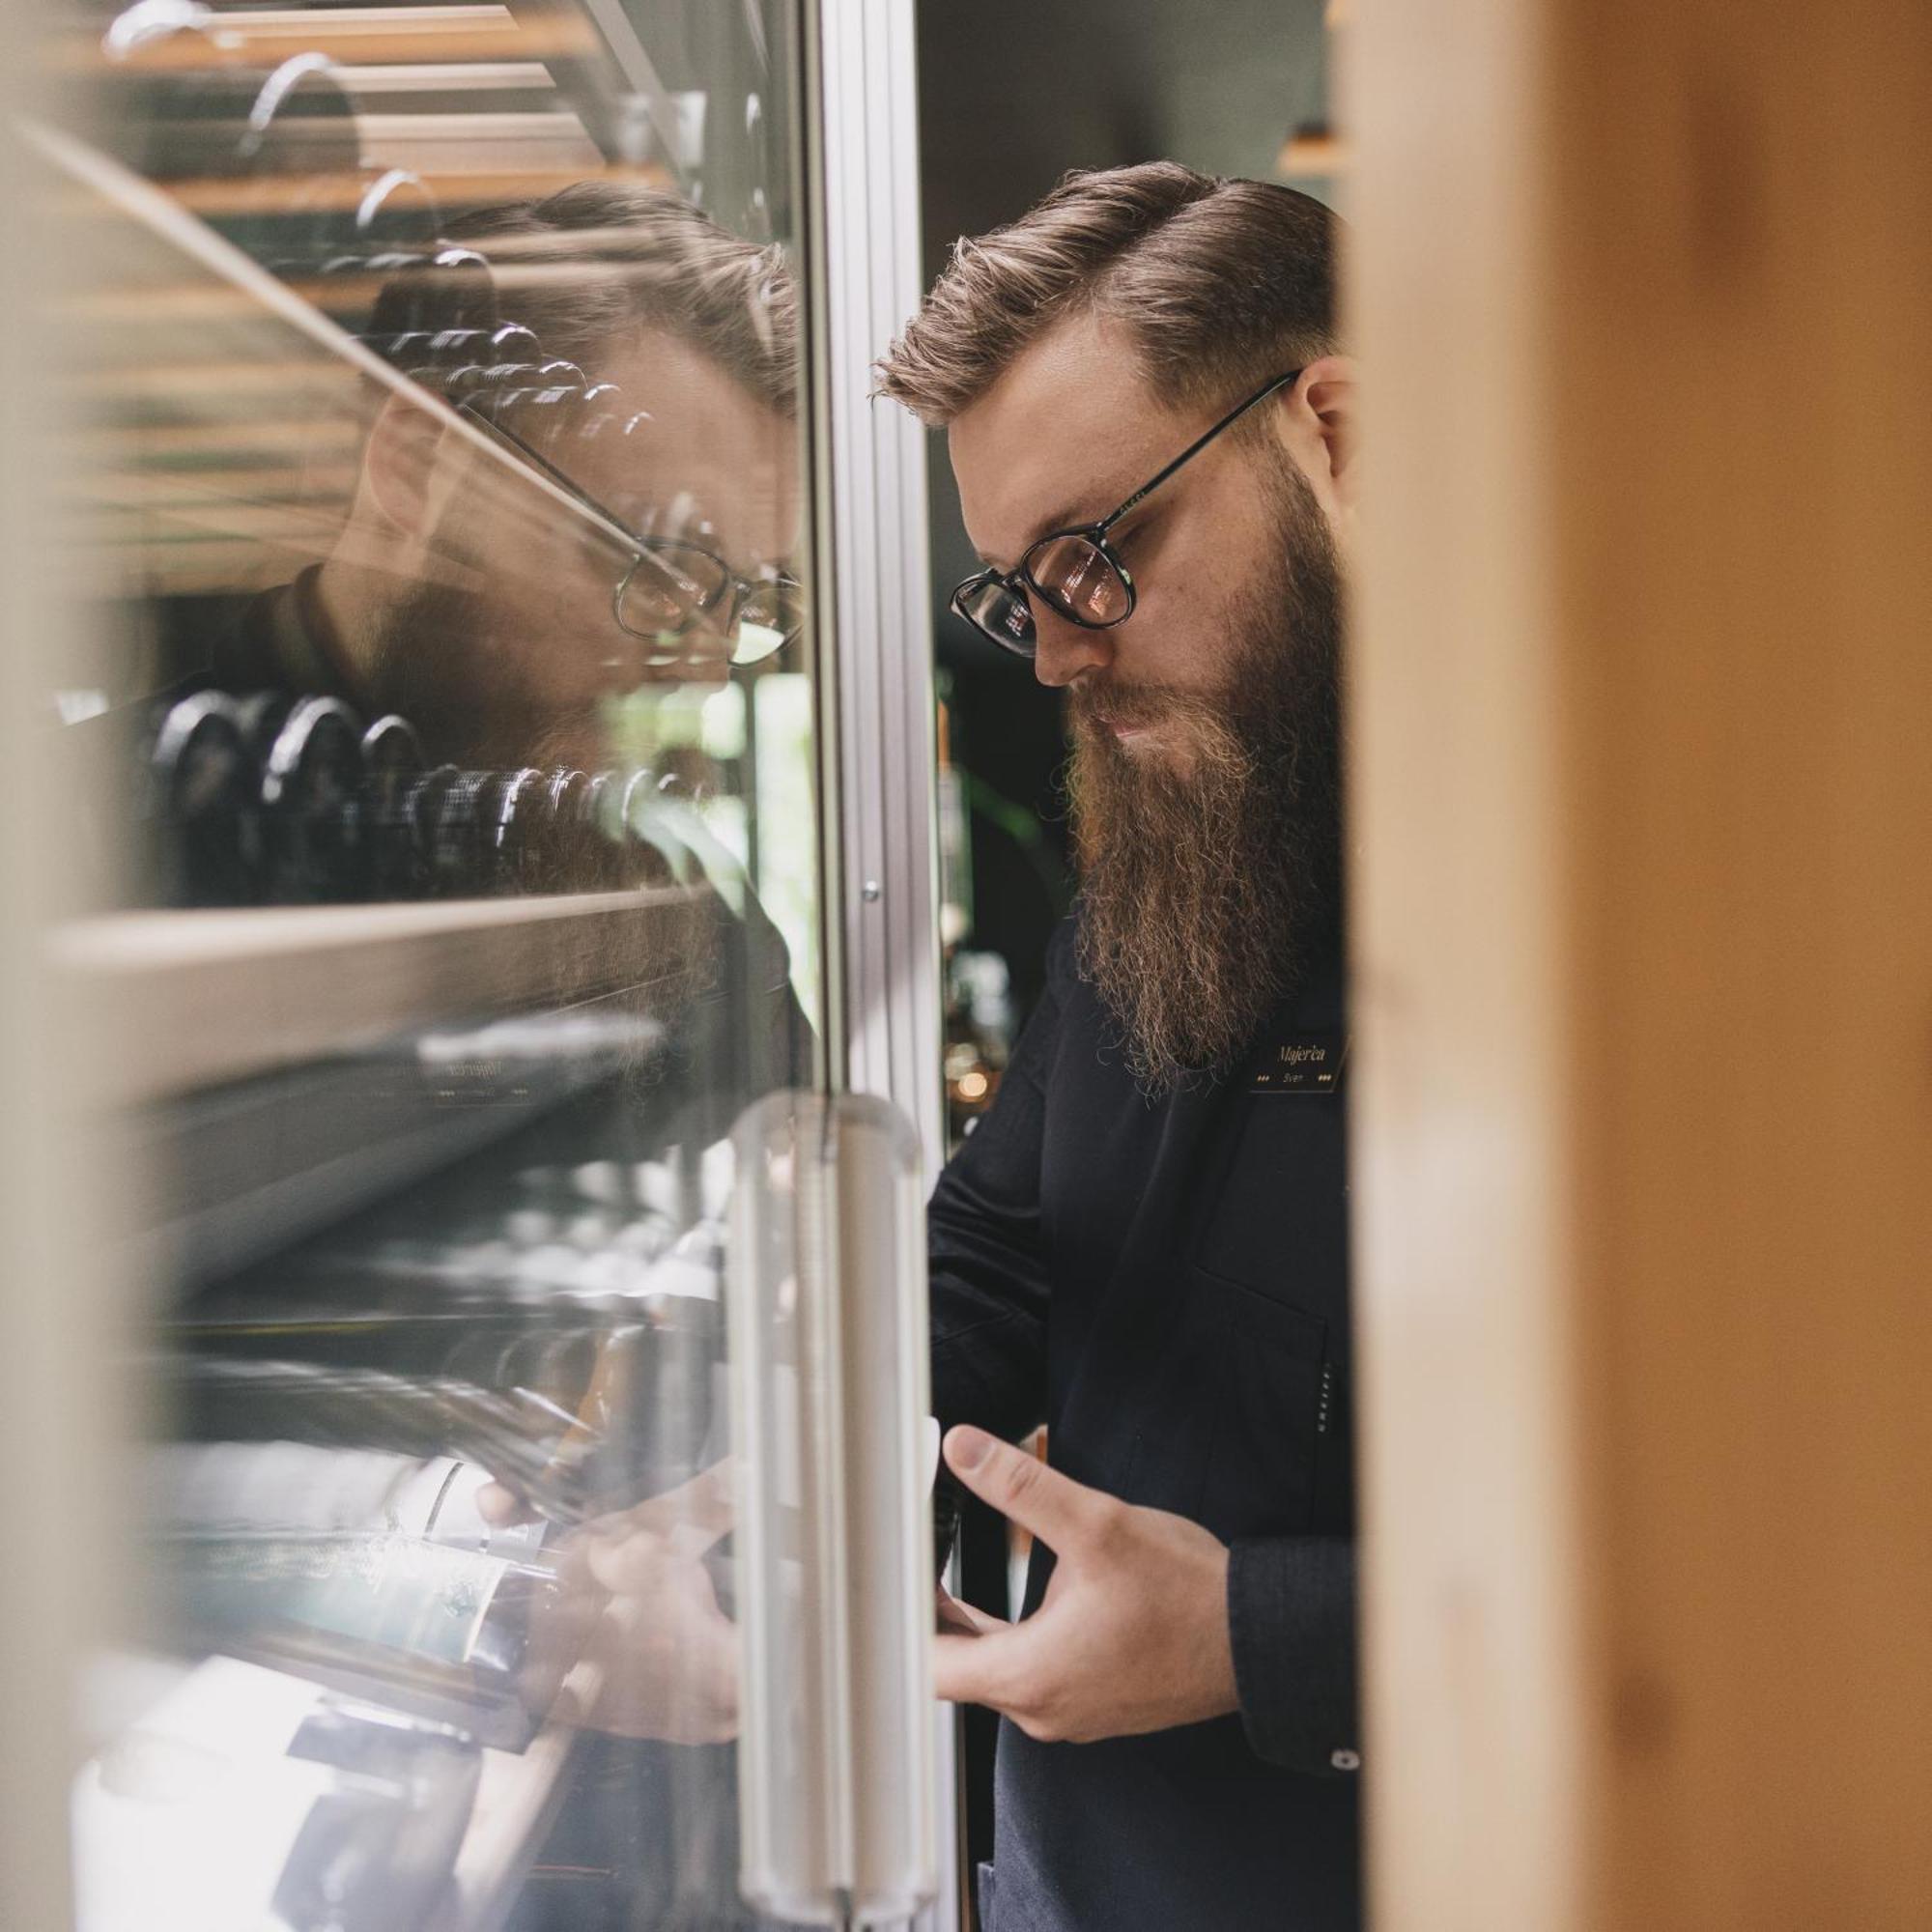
{"x": 542, "y": 463}
{"x": 630, "y": 541}
{"x": 1198, "y": 443}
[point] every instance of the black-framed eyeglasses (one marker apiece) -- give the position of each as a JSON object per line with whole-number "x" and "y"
{"x": 671, "y": 585}
{"x": 1076, "y": 571}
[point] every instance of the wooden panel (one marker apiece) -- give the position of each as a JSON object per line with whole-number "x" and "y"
{"x": 381, "y": 35}
{"x": 63, "y": 1404}
{"x": 1463, "y": 1234}
{"x": 1746, "y": 469}
{"x": 1643, "y": 700}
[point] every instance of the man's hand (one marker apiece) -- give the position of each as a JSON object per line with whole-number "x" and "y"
{"x": 655, "y": 1655}
{"x": 1134, "y": 1632}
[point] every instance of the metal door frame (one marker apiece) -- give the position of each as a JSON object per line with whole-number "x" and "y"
{"x": 877, "y": 732}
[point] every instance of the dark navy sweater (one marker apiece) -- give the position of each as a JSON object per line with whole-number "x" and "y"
{"x": 1165, "y": 1284}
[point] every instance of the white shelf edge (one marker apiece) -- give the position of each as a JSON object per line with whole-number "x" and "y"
{"x": 168, "y": 1002}
{"x": 136, "y": 942}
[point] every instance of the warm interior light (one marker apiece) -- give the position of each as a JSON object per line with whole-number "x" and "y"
{"x": 1310, "y": 153}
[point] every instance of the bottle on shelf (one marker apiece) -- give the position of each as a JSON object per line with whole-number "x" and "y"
{"x": 392, "y": 765}
{"x": 203, "y": 804}
{"x": 312, "y": 806}
{"x": 513, "y": 827}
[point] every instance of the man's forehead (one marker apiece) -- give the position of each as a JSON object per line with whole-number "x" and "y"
{"x": 706, "y": 442}
{"x": 1068, "y": 430}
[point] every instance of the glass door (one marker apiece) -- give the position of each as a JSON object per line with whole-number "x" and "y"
{"x": 527, "y": 1480}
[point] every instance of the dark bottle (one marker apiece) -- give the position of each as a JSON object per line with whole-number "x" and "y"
{"x": 425, "y": 809}
{"x": 203, "y": 809}
{"x": 407, "y": 349}
{"x": 449, "y": 345}
{"x": 611, "y": 810}
{"x": 398, "y": 262}
{"x": 545, "y": 415}
{"x": 466, "y": 382}
{"x": 654, "y": 859}
{"x": 569, "y": 853}
{"x": 393, "y": 766}
{"x": 499, "y": 377}
{"x": 399, "y": 212}
{"x": 513, "y": 807}
{"x": 312, "y": 804}
{"x": 458, "y": 852}
{"x": 262, "y": 715}
{"x": 597, "y": 808}
{"x": 511, "y": 341}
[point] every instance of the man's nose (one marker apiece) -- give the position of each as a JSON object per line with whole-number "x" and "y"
{"x": 1062, "y": 650}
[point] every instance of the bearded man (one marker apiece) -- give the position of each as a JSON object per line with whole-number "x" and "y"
{"x": 1145, "y": 1244}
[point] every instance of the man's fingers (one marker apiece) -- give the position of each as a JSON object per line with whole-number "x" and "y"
{"x": 631, "y": 1551}
{"x": 501, "y": 1507}
{"x": 627, "y": 1548}
{"x": 701, "y": 1507}
{"x": 1057, "y": 1508}
{"x": 981, "y": 1669}
{"x": 629, "y": 1562}
{"x": 954, "y": 1615}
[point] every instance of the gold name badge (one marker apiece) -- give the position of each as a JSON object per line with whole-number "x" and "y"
{"x": 1299, "y": 1063}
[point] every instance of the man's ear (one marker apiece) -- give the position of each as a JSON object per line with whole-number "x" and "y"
{"x": 399, "y": 463}
{"x": 1323, "y": 427}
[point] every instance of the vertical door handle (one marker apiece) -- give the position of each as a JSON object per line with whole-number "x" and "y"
{"x": 827, "y": 1317}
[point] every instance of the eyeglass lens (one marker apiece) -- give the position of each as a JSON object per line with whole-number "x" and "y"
{"x": 771, "y": 613}
{"x": 1075, "y": 577}
{"x": 670, "y": 588}
{"x": 667, "y": 589}
{"x": 1003, "y": 618}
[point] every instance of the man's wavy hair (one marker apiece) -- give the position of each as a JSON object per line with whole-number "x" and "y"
{"x": 1220, "y": 283}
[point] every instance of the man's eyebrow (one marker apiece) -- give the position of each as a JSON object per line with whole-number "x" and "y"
{"x": 1061, "y": 519}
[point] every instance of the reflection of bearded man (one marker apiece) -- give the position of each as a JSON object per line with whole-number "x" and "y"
{"x": 418, "y": 644}
{"x": 1203, "y": 881}
{"x": 445, "y": 660}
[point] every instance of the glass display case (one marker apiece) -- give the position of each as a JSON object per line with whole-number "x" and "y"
{"x": 526, "y": 1334}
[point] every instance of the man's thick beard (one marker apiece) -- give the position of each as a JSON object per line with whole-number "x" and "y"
{"x": 429, "y": 660}
{"x": 1205, "y": 886}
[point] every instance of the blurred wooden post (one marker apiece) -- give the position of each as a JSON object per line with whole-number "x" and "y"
{"x": 1642, "y": 795}
{"x": 63, "y": 1397}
